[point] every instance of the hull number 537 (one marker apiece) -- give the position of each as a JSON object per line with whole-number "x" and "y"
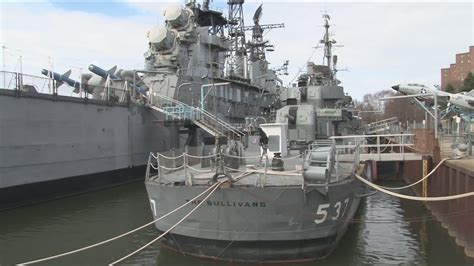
{"x": 322, "y": 212}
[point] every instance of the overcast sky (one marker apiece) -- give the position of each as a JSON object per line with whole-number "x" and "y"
{"x": 384, "y": 43}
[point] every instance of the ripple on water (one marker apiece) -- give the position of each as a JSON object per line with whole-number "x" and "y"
{"x": 385, "y": 237}
{"x": 382, "y": 235}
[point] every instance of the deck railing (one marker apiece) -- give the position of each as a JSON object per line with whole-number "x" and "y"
{"x": 376, "y": 144}
{"x": 43, "y": 85}
{"x": 160, "y": 165}
{"x": 190, "y": 166}
{"x": 448, "y": 143}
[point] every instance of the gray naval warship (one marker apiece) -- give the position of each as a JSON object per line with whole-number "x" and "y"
{"x": 281, "y": 192}
{"x": 53, "y": 145}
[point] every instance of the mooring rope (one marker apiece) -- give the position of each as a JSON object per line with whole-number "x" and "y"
{"x": 452, "y": 197}
{"x": 272, "y": 172}
{"x": 215, "y": 187}
{"x": 170, "y": 158}
{"x": 417, "y": 182}
{"x": 200, "y": 170}
{"x": 240, "y": 157}
{"x": 236, "y": 170}
{"x": 119, "y": 236}
{"x": 171, "y": 168}
{"x": 201, "y": 157}
{"x": 416, "y": 219}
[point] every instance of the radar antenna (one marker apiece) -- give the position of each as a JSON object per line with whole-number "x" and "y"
{"x": 258, "y": 46}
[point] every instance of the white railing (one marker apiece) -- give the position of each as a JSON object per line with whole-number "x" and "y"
{"x": 376, "y": 144}
{"x": 448, "y": 143}
{"x": 160, "y": 165}
{"x": 192, "y": 168}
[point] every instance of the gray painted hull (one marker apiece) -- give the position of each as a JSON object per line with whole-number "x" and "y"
{"x": 46, "y": 138}
{"x": 257, "y": 224}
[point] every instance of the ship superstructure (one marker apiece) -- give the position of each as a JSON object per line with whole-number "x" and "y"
{"x": 316, "y": 107}
{"x": 192, "y": 60}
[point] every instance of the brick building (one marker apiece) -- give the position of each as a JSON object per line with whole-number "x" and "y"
{"x": 457, "y": 72}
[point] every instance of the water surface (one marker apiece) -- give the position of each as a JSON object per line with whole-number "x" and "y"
{"x": 383, "y": 232}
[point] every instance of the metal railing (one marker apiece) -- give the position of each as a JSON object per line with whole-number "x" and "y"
{"x": 18, "y": 81}
{"x": 176, "y": 110}
{"x": 44, "y": 85}
{"x": 192, "y": 168}
{"x": 382, "y": 125}
{"x": 376, "y": 144}
{"x": 448, "y": 143}
{"x": 160, "y": 165}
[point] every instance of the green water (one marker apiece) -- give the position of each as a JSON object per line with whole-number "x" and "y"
{"x": 381, "y": 234}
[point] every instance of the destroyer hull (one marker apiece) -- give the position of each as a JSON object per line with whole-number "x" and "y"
{"x": 54, "y": 146}
{"x": 256, "y": 224}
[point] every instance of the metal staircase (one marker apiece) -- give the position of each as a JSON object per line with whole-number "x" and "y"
{"x": 176, "y": 111}
{"x": 386, "y": 126}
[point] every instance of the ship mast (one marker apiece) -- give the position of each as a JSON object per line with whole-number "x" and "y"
{"x": 327, "y": 42}
{"x": 328, "y": 45}
{"x": 258, "y": 46}
{"x": 237, "y": 49}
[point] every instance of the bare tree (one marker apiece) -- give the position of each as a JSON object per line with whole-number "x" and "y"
{"x": 404, "y": 109}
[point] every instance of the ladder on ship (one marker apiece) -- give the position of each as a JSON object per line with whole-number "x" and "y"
{"x": 389, "y": 125}
{"x": 177, "y": 111}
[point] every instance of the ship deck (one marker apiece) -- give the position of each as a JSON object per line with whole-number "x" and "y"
{"x": 250, "y": 172}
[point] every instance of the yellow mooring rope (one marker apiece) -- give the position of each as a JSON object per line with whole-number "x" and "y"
{"x": 421, "y": 180}
{"x": 379, "y": 188}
